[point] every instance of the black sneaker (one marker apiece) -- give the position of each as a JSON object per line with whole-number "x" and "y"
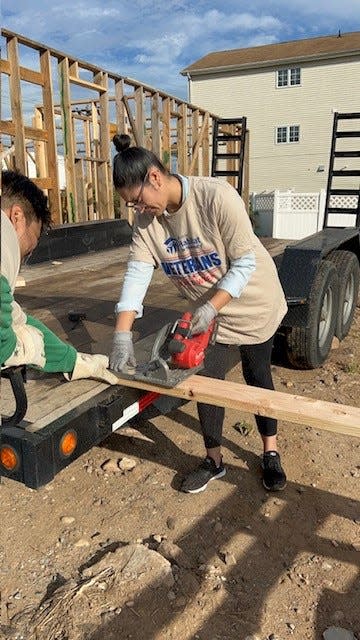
{"x": 199, "y": 479}
{"x": 274, "y": 478}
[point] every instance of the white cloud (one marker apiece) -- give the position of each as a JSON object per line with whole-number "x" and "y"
{"x": 138, "y": 38}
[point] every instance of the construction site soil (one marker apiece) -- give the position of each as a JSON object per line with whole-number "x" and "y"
{"x": 111, "y": 549}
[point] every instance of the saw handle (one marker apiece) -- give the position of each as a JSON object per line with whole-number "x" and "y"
{"x": 181, "y": 331}
{"x": 188, "y": 351}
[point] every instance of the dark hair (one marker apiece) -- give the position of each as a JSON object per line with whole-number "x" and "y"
{"x": 18, "y": 189}
{"x": 131, "y": 164}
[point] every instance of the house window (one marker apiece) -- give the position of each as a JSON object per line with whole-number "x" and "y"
{"x": 294, "y": 76}
{"x": 282, "y": 78}
{"x": 287, "y": 134}
{"x": 281, "y": 135}
{"x": 289, "y": 77}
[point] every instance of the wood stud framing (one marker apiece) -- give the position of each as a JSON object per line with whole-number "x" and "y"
{"x": 178, "y": 132}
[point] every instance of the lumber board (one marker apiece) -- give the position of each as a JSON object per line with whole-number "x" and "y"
{"x": 330, "y": 416}
{"x": 51, "y": 147}
{"x": 16, "y": 104}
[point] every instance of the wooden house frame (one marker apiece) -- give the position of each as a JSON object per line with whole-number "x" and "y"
{"x": 82, "y": 128}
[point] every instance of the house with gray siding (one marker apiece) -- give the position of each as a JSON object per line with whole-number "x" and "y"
{"x": 289, "y": 92}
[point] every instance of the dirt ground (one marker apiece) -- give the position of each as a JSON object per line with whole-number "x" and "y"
{"x": 108, "y": 553}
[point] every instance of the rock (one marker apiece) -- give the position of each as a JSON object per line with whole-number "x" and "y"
{"x": 338, "y": 615}
{"x": 157, "y": 538}
{"x": 127, "y": 464}
{"x": 218, "y": 527}
{"x": 135, "y": 562}
{"x": 188, "y": 583}
{"x": 83, "y": 542}
{"x": 171, "y": 522}
{"x": 228, "y": 557}
{"x": 356, "y": 546}
{"x": 337, "y": 633}
{"x": 110, "y": 466}
{"x": 67, "y": 519}
{"x": 172, "y": 552}
{"x": 243, "y": 427}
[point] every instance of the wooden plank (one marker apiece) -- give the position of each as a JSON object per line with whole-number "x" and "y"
{"x": 44, "y": 183}
{"x": 7, "y": 127}
{"x": 89, "y": 158}
{"x": 81, "y": 191}
{"x": 39, "y": 146}
{"x": 16, "y": 105}
{"x": 68, "y": 138}
{"x": 195, "y": 135}
{"x": 140, "y": 117}
{"x": 330, "y": 416}
{"x": 88, "y": 171}
{"x": 131, "y": 121}
{"x": 206, "y": 147}
{"x": 166, "y": 141}
{"x": 36, "y": 134}
{"x": 122, "y": 127}
{"x": 50, "y": 126}
{"x": 120, "y": 107}
{"x": 245, "y": 188}
{"x": 155, "y": 124}
{"x": 96, "y": 151}
{"x": 195, "y": 156}
{"x": 182, "y": 140}
{"x": 29, "y": 75}
{"x": 105, "y": 204}
{"x": 5, "y": 67}
{"x": 86, "y": 84}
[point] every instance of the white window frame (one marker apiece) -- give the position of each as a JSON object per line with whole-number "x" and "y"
{"x": 288, "y": 71}
{"x": 288, "y": 128}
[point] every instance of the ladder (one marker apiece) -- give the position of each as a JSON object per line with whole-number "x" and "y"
{"x": 231, "y": 134}
{"x": 340, "y": 133}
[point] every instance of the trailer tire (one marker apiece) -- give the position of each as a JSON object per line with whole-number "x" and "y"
{"x": 348, "y": 269}
{"x": 308, "y": 347}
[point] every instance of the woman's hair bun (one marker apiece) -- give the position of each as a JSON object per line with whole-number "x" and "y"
{"x": 121, "y": 141}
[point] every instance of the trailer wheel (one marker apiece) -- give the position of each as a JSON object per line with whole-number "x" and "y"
{"x": 308, "y": 347}
{"x": 348, "y": 269}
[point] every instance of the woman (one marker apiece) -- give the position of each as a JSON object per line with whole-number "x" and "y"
{"x": 197, "y": 230}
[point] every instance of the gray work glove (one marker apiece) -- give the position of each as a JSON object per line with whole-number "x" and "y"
{"x": 202, "y": 317}
{"x": 122, "y": 351}
{"x": 92, "y": 366}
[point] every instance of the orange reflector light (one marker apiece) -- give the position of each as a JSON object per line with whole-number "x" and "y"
{"x": 68, "y": 443}
{"x": 9, "y": 458}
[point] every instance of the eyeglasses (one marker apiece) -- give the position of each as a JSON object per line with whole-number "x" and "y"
{"x": 137, "y": 203}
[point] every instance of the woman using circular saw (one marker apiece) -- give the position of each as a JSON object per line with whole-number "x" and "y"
{"x": 198, "y": 231}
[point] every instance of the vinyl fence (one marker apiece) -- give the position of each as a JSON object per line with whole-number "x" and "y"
{"x": 291, "y": 215}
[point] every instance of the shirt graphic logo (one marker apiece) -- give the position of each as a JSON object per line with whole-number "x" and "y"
{"x": 173, "y": 245}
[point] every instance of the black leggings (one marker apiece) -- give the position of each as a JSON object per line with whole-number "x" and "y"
{"x": 256, "y": 361}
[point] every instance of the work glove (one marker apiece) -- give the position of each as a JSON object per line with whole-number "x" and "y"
{"x": 92, "y": 366}
{"x": 122, "y": 351}
{"x": 202, "y": 317}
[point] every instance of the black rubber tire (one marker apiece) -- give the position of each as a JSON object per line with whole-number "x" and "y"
{"x": 308, "y": 347}
{"x": 348, "y": 269}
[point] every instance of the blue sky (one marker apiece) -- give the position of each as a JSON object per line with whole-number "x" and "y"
{"x": 152, "y": 40}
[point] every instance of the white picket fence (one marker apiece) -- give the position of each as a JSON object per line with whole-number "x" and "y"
{"x": 291, "y": 215}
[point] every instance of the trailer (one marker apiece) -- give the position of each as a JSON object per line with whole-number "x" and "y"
{"x": 320, "y": 274}
{"x": 47, "y": 423}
